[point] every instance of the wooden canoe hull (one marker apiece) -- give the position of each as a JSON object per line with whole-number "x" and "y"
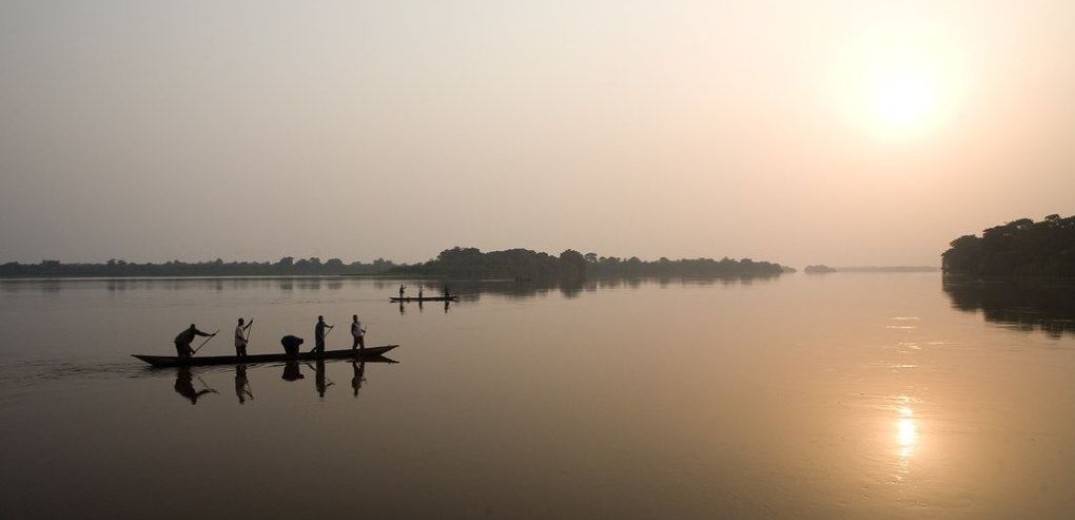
{"x": 423, "y": 299}
{"x": 369, "y": 353}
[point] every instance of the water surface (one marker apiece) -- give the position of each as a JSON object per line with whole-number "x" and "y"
{"x": 840, "y": 396}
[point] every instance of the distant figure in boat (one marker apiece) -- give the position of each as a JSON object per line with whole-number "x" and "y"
{"x": 447, "y": 293}
{"x": 185, "y": 338}
{"x": 319, "y": 334}
{"x": 240, "y": 338}
{"x": 420, "y": 294}
{"x": 401, "y": 288}
{"x": 184, "y": 386}
{"x": 359, "y": 333}
{"x": 291, "y": 344}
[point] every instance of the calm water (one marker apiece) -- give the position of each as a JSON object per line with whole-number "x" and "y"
{"x": 843, "y": 396}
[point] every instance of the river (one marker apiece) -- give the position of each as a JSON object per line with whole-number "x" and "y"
{"x": 849, "y": 395}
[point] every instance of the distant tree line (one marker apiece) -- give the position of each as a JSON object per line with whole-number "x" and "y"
{"x": 286, "y": 266}
{"x": 470, "y": 262}
{"x": 1019, "y": 248}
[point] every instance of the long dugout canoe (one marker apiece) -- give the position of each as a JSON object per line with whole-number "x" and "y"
{"x": 423, "y": 299}
{"x": 367, "y": 354}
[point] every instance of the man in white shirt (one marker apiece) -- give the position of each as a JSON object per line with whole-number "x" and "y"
{"x": 359, "y": 332}
{"x": 240, "y": 338}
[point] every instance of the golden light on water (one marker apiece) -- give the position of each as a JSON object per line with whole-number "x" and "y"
{"x": 906, "y": 432}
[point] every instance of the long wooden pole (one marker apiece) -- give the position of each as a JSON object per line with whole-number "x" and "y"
{"x": 211, "y": 336}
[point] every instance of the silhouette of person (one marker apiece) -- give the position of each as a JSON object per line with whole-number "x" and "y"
{"x": 358, "y": 332}
{"x": 401, "y": 288}
{"x": 184, "y": 385}
{"x": 360, "y": 370}
{"x": 419, "y": 294}
{"x": 319, "y": 334}
{"x": 291, "y": 344}
{"x": 292, "y": 371}
{"x": 242, "y": 384}
{"x": 185, "y": 338}
{"x": 240, "y": 338}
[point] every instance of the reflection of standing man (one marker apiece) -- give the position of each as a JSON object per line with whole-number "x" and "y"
{"x": 242, "y": 384}
{"x": 356, "y": 381}
{"x": 319, "y": 378}
{"x": 240, "y": 337}
{"x": 319, "y": 334}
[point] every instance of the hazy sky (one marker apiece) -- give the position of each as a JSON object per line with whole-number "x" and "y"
{"x": 846, "y": 133}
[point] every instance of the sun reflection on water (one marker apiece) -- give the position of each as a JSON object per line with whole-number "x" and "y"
{"x": 906, "y": 435}
{"x": 906, "y": 432}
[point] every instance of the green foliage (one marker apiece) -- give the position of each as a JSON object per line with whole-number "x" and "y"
{"x": 1019, "y": 248}
{"x": 523, "y": 264}
{"x": 287, "y": 266}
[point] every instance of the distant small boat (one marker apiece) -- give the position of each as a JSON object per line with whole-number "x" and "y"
{"x": 367, "y": 354}
{"x": 424, "y": 299}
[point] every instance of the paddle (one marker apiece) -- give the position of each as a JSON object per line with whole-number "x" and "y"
{"x": 211, "y": 336}
{"x": 249, "y": 331}
{"x": 206, "y": 386}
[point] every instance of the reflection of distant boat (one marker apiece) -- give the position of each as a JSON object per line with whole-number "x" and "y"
{"x": 423, "y": 299}
{"x": 370, "y": 353}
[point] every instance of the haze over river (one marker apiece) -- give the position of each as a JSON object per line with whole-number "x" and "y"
{"x": 859, "y": 396}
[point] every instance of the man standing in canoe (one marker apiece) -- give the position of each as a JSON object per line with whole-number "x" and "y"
{"x": 401, "y": 288}
{"x": 185, "y": 338}
{"x": 240, "y": 338}
{"x": 319, "y": 334}
{"x": 359, "y": 333}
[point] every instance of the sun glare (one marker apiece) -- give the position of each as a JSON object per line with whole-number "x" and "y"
{"x": 904, "y": 99}
{"x": 900, "y": 81}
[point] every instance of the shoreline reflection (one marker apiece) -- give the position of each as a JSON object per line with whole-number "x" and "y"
{"x": 1017, "y": 304}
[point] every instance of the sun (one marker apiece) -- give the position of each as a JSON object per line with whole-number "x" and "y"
{"x": 901, "y": 82}
{"x": 904, "y": 98}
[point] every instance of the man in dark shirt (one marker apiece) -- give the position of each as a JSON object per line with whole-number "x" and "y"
{"x": 319, "y": 334}
{"x": 291, "y": 344}
{"x": 185, "y": 338}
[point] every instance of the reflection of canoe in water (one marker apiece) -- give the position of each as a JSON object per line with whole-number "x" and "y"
{"x": 424, "y": 299}
{"x": 369, "y": 354}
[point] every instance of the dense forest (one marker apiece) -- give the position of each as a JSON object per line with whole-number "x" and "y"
{"x": 287, "y": 266}
{"x": 525, "y": 264}
{"x": 469, "y": 263}
{"x": 1019, "y": 248}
